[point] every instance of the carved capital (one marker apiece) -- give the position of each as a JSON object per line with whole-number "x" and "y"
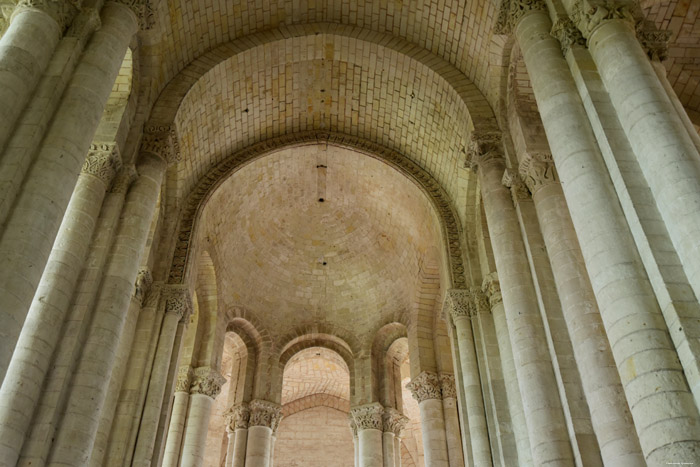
{"x": 126, "y": 176}
{"x": 184, "y": 379}
{"x": 144, "y": 280}
{"x": 484, "y": 148}
{"x": 61, "y": 11}
{"x": 394, "y": 421}
{"x": 565, "y": 31}
{"x": 353, "y": 425}
{"x": 237, "y": 417}
{"x": 537, "y": 170}
{"x": 206, "y": 381}
{"x": 161, "y": 141}
{"x": 512, "y": 11}
{"x": 265, "y": 413}
{"x": 591, "y": 14}
{"x": 368, "y": 417}
{"x": 178, "y": 300}
{"x": 143, "y": 9}
{"x": 425, "y": 386}
{"x": 87, "y": 22}
{"x": 462, "y": 302}
{"x": 492, "y": 288}
{"x": 447, "y": 385}
{"x": 103, "y": 162}
{"x": 153, "y": 296}
{"x": 653, "y": 40}
{"x": 518, "y": 190}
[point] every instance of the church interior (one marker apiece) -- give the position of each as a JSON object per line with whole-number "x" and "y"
{"x": 349, "y": 233}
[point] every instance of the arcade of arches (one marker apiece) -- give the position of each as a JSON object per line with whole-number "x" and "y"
{"x": 372, "y": 233}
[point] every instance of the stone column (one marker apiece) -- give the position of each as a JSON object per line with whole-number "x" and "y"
{"x": 206, "y": 385}
{"x": 30, "y": 231}
{"x": 237, "y": 426}
{"x": 666, "y": 153}
{"x": 128, "y": 412}
{"x": 460, "y": 306}
{"x": 265, "y": 417}
{"x": 22, "y": 387}
{"x": 75, "y": 436}
{"x": 394, "y": 422}
{"x": 25, "y": 50}
{"x": 491, "y": 287}
{"x": 397, "y": 450}
{"x": 176, "y": 429}
{"x": 662, "y": 406}
{"x": 99, "y": 448}
{"x": 449, "y": 408}
{"x": 368, "y": 419}
{"x": 425, "y": 388}
{"x": 610, "y": 414}
{"x": 543, "y": 412}
{"x": 178, "y": 308}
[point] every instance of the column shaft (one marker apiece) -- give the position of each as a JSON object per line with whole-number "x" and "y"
{"x": 177, "y": 429}
{"x": 157, "y": 384}
{"x": 29, "y": 233}
{"x": 258, "y": 447}
{"x": 662, "y": 406}
{"x": 454, "y": 445}
{"x": 193, "y": 444}
{"x": 610, "y": 414}
{"x": 478, "y": 431}
{"x": 22, "y": 387}
{"x": 542, "y": 407}
{"x": 666, "y": 153}
{"x": 388, "y": 449}
{"x": 75, "y": 437}
{"x": 370, "y": 448}
{"x": 239, "y": 450}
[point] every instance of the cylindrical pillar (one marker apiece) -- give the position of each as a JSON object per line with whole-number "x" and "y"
{"x": 237, "y": 419}
{"x": 491, "y": 287}
{"x": 355, "y": 441}
{"x": 76, "y": 434}
{"x": 449, "y": 409}
{"x": 178, "y": 307}
{"x": 22, "y": 387}
{"x": 662, "y": 406}
{"x": 393, "y": 422}
{"x": 240, "y": 447}
{"x": 544, "y": 416}
{"x": 265, "y": 417}
{"x": 176, "y": 429}
{"x": 25, "y": 50}
{"x": 30, "y": 231}
{"x": 368, "y": 419}
{"x": 610, "y": 415}
{"x": 666, "y": 153}
{"x": 206, "y": 385}
{"x": 425, "y": 388}
{"x": 460, "y": 303}
{"x": 397, "y": 450}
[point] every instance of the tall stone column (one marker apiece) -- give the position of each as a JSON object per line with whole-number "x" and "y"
{"x": 368, "y": 419}
{"x": 394, "y": 422}
{"x": 23, "y": 384}
{"x": 265, "y": 417}
{"x": 128, "y": 411}
{"x": 178, "y": 308}
{"x": 425, "y": 388}
{"x": 206, "y": 385}
{"x": 666, "y": 153}
{"x": 662, "y": 406}
{"x": 544, "y": 416}
{"x": 610, "y": 414}
{"x": 75, "y": 437}
{"x": 492, "y": 288}
{"x": 237, "y": 427}
{"x": 449, "y": 408}
{"x": 30, "y": 231}
{"x": 176, "y": 428}
{"x": 25, "y": 50}
{"x": 460, "y": 306}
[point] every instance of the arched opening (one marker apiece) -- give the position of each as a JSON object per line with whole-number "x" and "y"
{"x": 315, "y": 404}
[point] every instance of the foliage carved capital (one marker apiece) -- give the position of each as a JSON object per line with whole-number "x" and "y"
{"x": 206, "y": 381}
{"x": 425, "y": 386}
{"x": 447, "y": 385}
{"x": 394, "y": 421}
{"x": 265, "y": 413}
{"x": 565, "y": 31}
{"x": 237, "y": 417}
{"x": 484, "y": 148}
{"x": 368, "y": 417}
{"x": 512, "y": 11}
{"x": 178, "y": 301}
{"x": 103, "y": 162}
{"x": 184, "y": 379}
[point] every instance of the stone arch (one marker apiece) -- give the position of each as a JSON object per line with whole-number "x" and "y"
{"x": 316, "y": 400}
{"x": 383, "y": 376}
{"x": 449, "y": 223}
